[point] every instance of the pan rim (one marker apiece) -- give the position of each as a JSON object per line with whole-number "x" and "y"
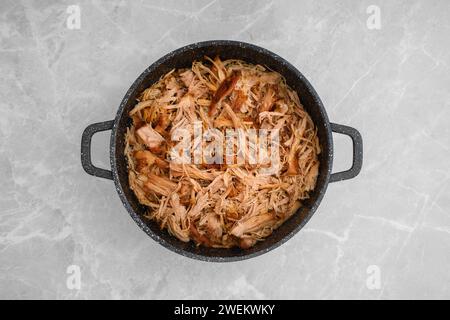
{"x": 135, "y": 216}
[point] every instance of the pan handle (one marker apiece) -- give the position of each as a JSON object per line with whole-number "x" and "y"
{"x": 357, "y": 152}
{"x": 86, "y": 140}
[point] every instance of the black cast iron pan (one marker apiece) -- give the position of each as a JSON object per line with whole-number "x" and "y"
{"x": 183, "y": 58}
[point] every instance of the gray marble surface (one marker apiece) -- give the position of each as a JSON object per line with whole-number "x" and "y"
{"x": 384, "y": 234}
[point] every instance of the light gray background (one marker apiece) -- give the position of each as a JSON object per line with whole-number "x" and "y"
{"x": 391, "y": 84}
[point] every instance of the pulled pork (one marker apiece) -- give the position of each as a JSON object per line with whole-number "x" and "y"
{"x": 220, "y": 205}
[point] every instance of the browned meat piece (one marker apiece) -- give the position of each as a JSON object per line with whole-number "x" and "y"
{"x": 225, "y": 88}
{"x": 246, "y": 243}
{"x": 163, "y": 123}
{"x": 160, "y": 185}
{"x": 150, "y": 137}
{"x": 198, "y": 237}
{"x": 145, "y": 159}
{"x": 251, "y": 224}
{"x": 268, "y": 100}
{"x": 239, "y": 100}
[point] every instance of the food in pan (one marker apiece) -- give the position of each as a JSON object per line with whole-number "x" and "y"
{"x": 221, "y": 153}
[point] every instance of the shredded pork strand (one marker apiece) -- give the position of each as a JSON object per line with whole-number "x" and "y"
{"x": 220, "y": 205}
